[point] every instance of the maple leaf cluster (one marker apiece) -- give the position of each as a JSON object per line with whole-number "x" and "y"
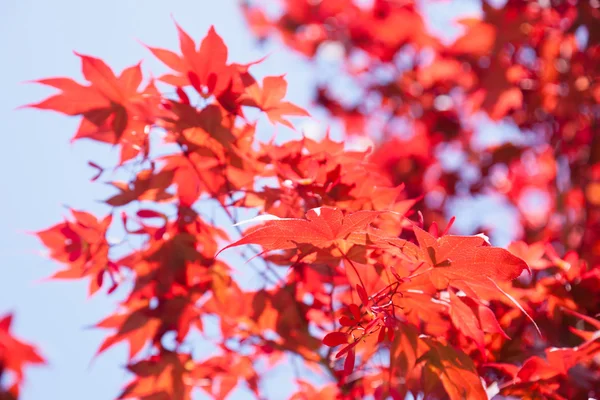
{"x": 532, "y": 65}
{"x": 361, "y": 281}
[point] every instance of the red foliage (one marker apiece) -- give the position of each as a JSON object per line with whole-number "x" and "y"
{"x": 356, "y": 286}
{"x": 14, "y": 356}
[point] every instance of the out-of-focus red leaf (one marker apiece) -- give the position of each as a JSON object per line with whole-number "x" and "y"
{"x": 333, "y": 339}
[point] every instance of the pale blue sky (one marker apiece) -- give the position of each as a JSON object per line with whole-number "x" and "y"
{"x": 42, "y": 172}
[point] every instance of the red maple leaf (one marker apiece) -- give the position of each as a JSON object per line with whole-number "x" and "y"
{"x": 454, "y": 369}
{"x": 108, "y": 103}
{"x": 204, "y": 68}
{"x": 82, "y": 246}
{"x": 269, "y": 98}
{"x": 321, "y": 228}
{"x": 160, "y": 377}
{"x": 113, "y": 109}
{"x": 466, "y": 258}
{"x": 15, "y": 355}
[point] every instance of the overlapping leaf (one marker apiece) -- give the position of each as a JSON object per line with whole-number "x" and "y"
{"x": 466, "y": 258}
{"x": 322, "y": 227}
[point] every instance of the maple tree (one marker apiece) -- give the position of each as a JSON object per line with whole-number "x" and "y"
{"x": 360, "y": 282}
